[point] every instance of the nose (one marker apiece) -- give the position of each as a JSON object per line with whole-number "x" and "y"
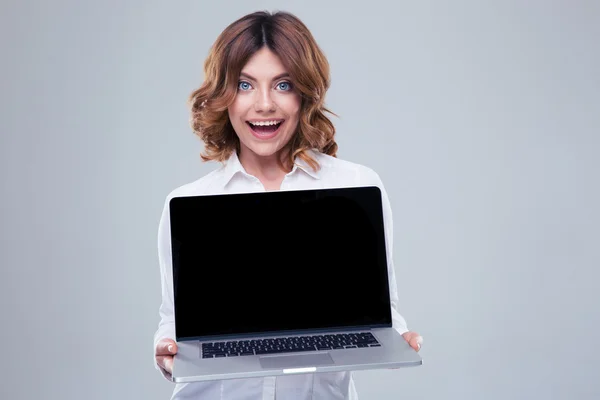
{"x": 264, "y": 101}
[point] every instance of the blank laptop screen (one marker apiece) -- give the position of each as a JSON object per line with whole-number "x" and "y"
{"x": 279, "y": 261}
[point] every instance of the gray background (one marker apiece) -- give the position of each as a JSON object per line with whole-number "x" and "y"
{"x": 482, "y": 118}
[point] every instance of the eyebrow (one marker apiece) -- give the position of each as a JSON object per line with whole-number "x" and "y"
{"x": 284, "y": 75}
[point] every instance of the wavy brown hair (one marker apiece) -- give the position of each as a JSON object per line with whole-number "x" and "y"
{"x": 285, "y": 35}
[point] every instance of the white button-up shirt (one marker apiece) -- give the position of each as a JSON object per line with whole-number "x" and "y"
{"x": 232, "y": 178}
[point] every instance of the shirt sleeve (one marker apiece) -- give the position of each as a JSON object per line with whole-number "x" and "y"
{"x": 370, "y": 177}
{"x": 166, "y": 325}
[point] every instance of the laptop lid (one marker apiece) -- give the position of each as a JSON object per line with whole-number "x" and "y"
{"x": 279, "y": 262}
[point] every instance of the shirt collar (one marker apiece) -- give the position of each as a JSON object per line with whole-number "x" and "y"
{"x": 233, "y": 166}
{"x": 304, "y": 166}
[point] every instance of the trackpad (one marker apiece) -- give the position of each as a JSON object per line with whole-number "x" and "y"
{"x": 296, "y": 360}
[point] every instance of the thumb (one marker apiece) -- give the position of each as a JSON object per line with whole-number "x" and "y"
{"x": 166, "y": 347}
{"x": 414, "y": 340}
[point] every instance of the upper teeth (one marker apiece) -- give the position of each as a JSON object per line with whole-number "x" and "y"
{"x": 264, "y": 123}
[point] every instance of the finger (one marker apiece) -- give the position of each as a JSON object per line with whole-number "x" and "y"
{"x": 169, "y": 364}
{"x": 410, "y": 336}
{"x": 160, "y": 361}
{"x": 414, "y": 340}
{"x": 414, "y": 343}
{"x": 166, "y": 363}
{"x": 166, "y": 347}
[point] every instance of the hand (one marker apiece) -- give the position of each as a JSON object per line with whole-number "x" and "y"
{"x": 414, "y": 340}
{"x": 164, "y": 352}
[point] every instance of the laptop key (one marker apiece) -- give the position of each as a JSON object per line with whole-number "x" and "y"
{"x": 294, "y": 344}
{"x": 366, "y": 341}
{"x": 263, "y": 351}
{"x": 300, "y": 349}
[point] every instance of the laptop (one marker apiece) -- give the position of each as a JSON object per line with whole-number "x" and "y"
{"x": 283, "y": 282}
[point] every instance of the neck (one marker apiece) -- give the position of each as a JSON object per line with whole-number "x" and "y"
{"x": 270, "y": 170}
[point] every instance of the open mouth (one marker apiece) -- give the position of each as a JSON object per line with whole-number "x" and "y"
{"x": 265, "y": 127}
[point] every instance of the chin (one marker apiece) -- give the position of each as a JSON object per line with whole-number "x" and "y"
{"x": 264, "y": 150}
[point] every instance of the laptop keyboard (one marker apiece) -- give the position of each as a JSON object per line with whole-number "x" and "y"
{"x": 293, "y": 344}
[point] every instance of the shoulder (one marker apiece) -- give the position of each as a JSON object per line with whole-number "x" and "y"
{"x": 342, "y": 170}
{"x": 204, "y": 185}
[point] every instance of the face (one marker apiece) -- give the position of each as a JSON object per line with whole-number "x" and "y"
{"x": 266, "y": 108}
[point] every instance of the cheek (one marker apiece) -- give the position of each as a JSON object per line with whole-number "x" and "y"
{"x": 239, "y": 108}
{"x": 291, "y": 105}
{"x": 234, "y": 109}
{"x": 235, "y": 119}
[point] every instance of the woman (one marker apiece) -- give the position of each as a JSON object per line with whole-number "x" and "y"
{"x": 261, "y": 113}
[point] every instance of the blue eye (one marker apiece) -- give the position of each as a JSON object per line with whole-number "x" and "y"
{"x": 244, "y": 85}
{"x": 285, "y": 86}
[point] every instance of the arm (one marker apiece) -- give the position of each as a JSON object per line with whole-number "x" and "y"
{"x": 368, "y": 177}
{"x": 398, "y": 321}
{"x": 166, "y": 326}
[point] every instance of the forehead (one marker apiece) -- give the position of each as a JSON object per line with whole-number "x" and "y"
{"x": 264, "y": 64}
